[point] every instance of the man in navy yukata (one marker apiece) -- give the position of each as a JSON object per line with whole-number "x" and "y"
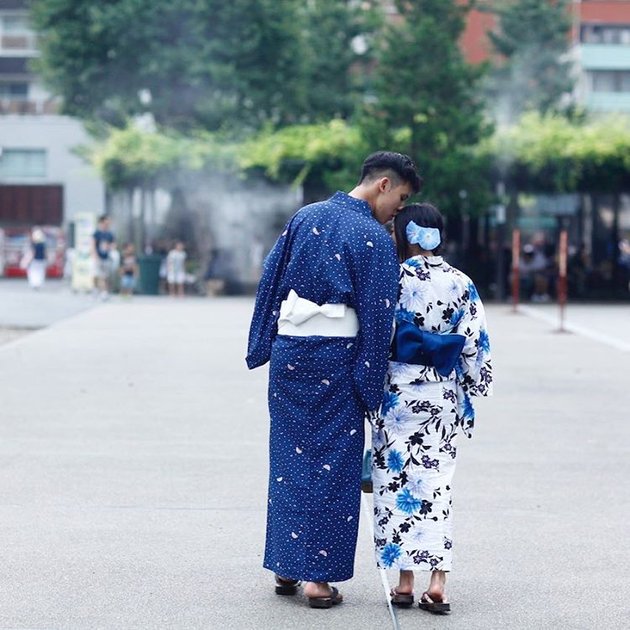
{"x": 323, "y": 318}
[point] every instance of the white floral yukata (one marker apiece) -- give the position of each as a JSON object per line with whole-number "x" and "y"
{"x": 414, "y": 439}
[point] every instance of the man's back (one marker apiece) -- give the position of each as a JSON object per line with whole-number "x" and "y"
{"x": 331, "y": 244}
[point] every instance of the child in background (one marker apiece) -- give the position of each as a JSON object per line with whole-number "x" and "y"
{"x": 176, "y": 270}
{"x": 128, "y": 271}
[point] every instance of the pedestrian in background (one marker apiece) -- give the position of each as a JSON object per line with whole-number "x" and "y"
{"x": 440, "y": 358}
{"x": 128, "y": 271}
{"x": 37, "y": 259}
{"x": 176, "y": 269}
{"x": 102, "y": 241}
{"x": 323, "y": 318}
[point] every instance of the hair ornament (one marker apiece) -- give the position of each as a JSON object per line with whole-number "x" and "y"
{"x": 426, "y": 237}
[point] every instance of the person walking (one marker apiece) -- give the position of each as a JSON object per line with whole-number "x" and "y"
{"x": 102, "y": 241}
{"x": 323, "y": 317}
{"x": 440, "y": 358}
{"x": 36, "y": 267}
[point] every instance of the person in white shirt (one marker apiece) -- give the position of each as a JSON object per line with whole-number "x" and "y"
{"x": 176, "y": 270}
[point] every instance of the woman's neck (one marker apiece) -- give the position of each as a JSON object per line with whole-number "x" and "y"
{"x": 416, "y": 250}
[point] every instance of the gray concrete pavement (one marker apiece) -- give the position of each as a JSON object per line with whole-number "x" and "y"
{"x": 133, "y": 473}
{"x": 22, "y": 307}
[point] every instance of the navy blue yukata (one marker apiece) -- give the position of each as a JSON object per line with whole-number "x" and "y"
{"x": 331, "y": 252}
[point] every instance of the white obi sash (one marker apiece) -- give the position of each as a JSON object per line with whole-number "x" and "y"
{"x": 303, "y": 318}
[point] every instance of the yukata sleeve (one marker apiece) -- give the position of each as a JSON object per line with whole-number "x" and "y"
{"x": 474, "y": 370}
{"x": 263, "y": 327}
{"x": 376, "y": 287}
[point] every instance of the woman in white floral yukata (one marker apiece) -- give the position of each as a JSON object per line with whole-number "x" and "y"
{"x": 440, "y": 358}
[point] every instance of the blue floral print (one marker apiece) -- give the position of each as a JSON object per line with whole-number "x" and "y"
{"x": 390, "y": 399}
{"x": 395, "y": 461}
{"x": 406, "y": 502}
{"x": 415, "y": 437}
{"x": 390, "y": 554}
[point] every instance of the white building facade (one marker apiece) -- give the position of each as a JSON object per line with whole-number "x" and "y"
{"x": 42, "y": 179}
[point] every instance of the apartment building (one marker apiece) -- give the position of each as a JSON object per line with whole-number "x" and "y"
{"x": 602, "y": 53}
{"x": 600, "y": 48}
{"x": 42, "y": 181}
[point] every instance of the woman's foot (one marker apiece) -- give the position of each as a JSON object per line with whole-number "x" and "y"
{"x": 405, "y": 583}
{"x": 402, "y": 595}
{"x": 434, "y": 606}
{"x": 437, "y": 586}
{"x": 434, "y": 598}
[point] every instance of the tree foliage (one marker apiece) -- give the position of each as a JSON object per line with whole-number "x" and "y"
{"x": 333, "y": 56}
{"x": 551, "y": 153}
{"x": 532, "y": 38}
{"x": 131, "y": 157}
{"x": 426, "y": 101}
{"x": 236, "y": 65}
{"x": 540, "y": 153}
{"x": 211, "y": 64}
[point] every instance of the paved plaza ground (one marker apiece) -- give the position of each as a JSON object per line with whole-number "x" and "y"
{"x": 133, "y": 466}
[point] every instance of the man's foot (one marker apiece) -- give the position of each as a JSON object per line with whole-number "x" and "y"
{"x": 286, "y": 586}
{"x": 322, "y": 595}
{"x": 328, "y": 600}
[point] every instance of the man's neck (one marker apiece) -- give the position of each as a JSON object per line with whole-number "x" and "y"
{"x": 362, "y": 193}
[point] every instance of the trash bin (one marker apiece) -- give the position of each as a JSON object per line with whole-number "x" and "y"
{"x": 149, "y": 265}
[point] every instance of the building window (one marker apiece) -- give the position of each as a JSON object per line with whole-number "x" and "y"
{"x": 16, "y": 33}
{"x": 618, "y": 34}
{"x": 610, "y": 80}
{"x": 22, "y": 163}
{"x": 14, "y": 91}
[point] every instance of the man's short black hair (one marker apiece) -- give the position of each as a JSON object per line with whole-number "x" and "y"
{"x": 103, "y": 217}
{"x": 394, "y": 165}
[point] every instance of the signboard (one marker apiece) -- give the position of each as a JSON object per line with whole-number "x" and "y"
{"x": 82, "y": 264}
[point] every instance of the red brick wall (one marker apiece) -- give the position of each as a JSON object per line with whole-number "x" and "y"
{"x": 474, "y": 41}
{"x": 606, "y": 12}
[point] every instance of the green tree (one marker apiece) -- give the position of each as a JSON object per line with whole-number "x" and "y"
{"x": 427, "y": 102}
{"x": 204, "y": 63}
{"x": 336, "y": 50}
{"x": 532, "y": 38}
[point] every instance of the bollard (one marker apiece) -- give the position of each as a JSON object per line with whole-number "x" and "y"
{"x": 516, "y": 258}
{"x": 562, "y": 276}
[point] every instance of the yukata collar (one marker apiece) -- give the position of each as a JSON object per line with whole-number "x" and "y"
{"x": 427, "y": 261}
{"x": 358, "y": 205}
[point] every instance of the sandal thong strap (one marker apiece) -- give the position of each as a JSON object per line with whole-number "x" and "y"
{"x": 328, "y": 601}
{"x": 436, "y": 607}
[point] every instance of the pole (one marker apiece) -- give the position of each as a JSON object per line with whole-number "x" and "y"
{"x": 562, "y": 276}
{"x": 516, "y": 260}
{"x": 500, "y": 215}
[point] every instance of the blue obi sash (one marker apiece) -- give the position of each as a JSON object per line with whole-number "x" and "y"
{"x": 418, "y": 347}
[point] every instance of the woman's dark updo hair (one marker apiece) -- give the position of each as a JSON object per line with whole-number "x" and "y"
{"x": 422, "y": 214}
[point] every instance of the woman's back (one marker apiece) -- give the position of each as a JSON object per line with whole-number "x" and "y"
{"x": 433, "y": 294}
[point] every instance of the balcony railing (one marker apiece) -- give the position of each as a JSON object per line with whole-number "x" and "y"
{"x": 12, "y": 106}
{"x": 24, "y": 42}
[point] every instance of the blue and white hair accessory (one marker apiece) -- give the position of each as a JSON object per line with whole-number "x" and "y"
{"x": 427, "y": 238}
